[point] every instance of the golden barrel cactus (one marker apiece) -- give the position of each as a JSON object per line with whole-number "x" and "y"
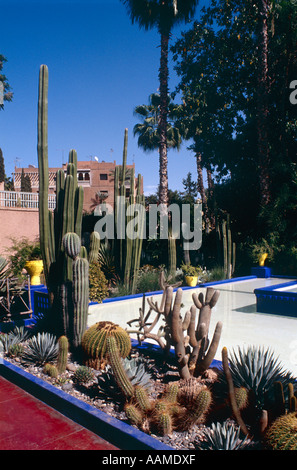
{"x": 94, "y": 343}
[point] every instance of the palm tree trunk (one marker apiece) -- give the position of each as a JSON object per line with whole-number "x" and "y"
{"x": 262, "y": 104}
{"x": 162, "y": 125}
{"x": 201, "y": 190}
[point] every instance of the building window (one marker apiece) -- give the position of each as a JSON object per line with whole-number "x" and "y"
{"x": 103, "y": 177}
{"x": 87, "y": 177}
{"x": 80, "y": 176}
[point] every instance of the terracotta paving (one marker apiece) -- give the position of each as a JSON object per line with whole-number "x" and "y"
{"x": 26, "y": 423}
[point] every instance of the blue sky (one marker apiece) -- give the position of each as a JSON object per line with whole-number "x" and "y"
{"x": 100, "y": 67}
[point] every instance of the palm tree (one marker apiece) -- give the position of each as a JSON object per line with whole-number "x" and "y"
{"x": 148, "y": 129}
{"x": 161, "y": 14}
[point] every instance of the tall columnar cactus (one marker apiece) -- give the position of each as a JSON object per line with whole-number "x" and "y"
{"x": 80, "y": 288}
{"x": 94, "y": 247}
{"x": 127, "y": 249}
{"x": 62, "y": 354}
{"x": 59, "y": 267}
{"x": 226, "y": 247}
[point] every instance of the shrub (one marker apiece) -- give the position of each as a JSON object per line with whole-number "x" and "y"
{"x": 98, "y": 288}
{"x": 22, "y": 251}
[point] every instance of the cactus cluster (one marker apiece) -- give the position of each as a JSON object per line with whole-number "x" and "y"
{"x": 226, "y": 247}
{"x": 189, "y": 337}
{"x": 58, "y": 367}
{"x": 64, "y": 259}
{"x": 127, "y": 249}
{"x": 179, "y": 408}
{"x": 94, "y": 343}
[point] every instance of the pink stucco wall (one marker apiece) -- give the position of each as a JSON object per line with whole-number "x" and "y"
{"x": 17, "y": 223}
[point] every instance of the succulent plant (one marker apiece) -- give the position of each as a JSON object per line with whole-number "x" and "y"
{"x": 137, "y": 371}
{"x": 94, "y": 343}
{"x": 223, "y": 436}
{"x": 282, "y": 434}
{"x": 51, "y": 370}
{"x": 62, "y": 354}
{"x": 40, "y": 349}
{"x": 256, "y": 369}
{"x": 83, "y": 375}
{"x": 14, "y": 339}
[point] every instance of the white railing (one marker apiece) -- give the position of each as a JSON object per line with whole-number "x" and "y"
{"x": 24, "y": 200}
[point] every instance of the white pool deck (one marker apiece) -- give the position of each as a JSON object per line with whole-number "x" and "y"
{"x": 236, "y": 308}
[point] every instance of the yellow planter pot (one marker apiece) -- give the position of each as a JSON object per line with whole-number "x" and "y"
{"x": 262, "y": 259}
{"x": 34, "y": 269}
{"x": 191, "y": 280}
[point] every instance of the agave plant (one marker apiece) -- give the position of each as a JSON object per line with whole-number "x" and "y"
{"x": 257, "y": 370}
{"x": 40, "y": 349}
{"x": 137, "y": 371}
{"x": 223, "y": 436}
{"x": 13, "y": 339}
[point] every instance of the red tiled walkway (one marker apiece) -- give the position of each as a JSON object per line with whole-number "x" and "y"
{"x": 28, "y": 424}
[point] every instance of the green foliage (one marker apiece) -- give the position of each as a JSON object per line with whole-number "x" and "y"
{"x": 190, "y": 270}
{"x": 98, "y": 286}
{"x": 21, "y": 251}
{"x": 7, "y": 93}
{"x": 40, "y": 349}
{"x": 25, "y": 183}
{"x": 223, "y": 436}
{"x": 148, "y": 281}
{"x": 107, "y": 264}
{"x": 218, "y": 63}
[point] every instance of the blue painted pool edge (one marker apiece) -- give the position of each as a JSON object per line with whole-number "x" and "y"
{"x": 270, "y": 300}
{"x": 118, "y": 433}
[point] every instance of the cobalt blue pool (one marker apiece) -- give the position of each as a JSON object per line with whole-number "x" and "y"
{"x": 280, "y": 299}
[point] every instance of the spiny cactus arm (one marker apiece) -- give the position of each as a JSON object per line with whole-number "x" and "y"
{"x": 154, "y": 306}
{"x": 118, "y": 369}
{"x": 78, "y": 202}
{"x": 168, "y": 301}
{"x": 214, "y": 297}
{"x": 80, "y": 299}
{"x": 178, "y": 337}
{"x": 209, "y": 357}
{"x": 232, "y": 398}
{"x": 94, "y": 247}
{"x": 198, "y": 300}
{"x": 68, "y": 209}
{"x": 72, "y": 158}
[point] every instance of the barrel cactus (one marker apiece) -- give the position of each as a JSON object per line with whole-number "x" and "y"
{"x": 282, "y": 434}
{"x": 94, "y": 343}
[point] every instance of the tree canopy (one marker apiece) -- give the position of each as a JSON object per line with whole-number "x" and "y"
{"x": 218, "y": 62}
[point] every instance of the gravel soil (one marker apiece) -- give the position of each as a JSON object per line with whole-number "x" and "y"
{"x": 113, "y": 405}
